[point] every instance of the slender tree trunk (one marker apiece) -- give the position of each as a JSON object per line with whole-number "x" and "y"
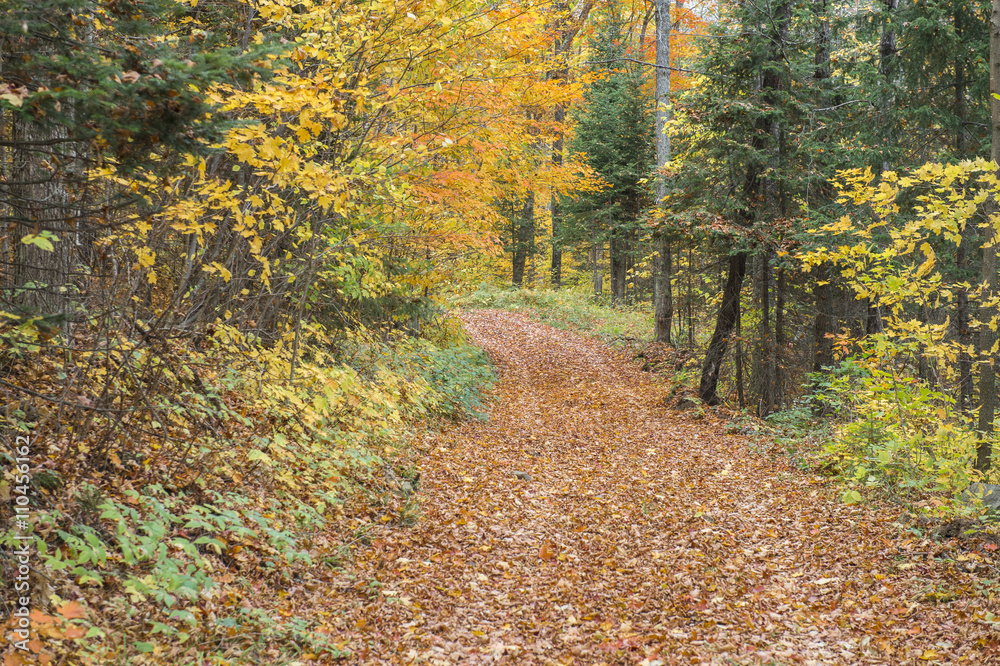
{"x": 690, "y": 298}
{"x": 961, "y": 102}
{"x": 987, "y": 377}
{"x": 823, "y": 327}
{"x": 763, "y": 380}
{"x": 523, "y": 236}
{"x": 740, "y": 392}
{"x": 779, "y": 339}
{"x": 873, "y": 317}
{"x": 888, "y": 53}
{"x": 822, "y": 57}
{"x": 664, "y": 306}
{"x": 568, "y": 25}
{"x": 728, "y": 314}
{"x": 557, "y": 160}
{"x": 616, "y": 256}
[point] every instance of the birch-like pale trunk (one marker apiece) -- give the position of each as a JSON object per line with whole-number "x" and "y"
{"x": 663, "y": 295}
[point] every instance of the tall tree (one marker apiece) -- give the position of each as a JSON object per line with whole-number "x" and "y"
{"x": 663, "y": 293}
{"x": 614, "y": 134}
{"x": 758, "y": 73}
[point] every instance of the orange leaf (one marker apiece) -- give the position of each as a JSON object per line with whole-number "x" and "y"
{"x": 39, "y": 617}
{"x": 546, "y": 552}
{"x": 75, "y": 632}
{"x": 72, "y": 611}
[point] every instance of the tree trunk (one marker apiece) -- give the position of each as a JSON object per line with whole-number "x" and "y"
{"x": 524, "y": 236}
{"x": 618, "y": 255}
{"x": 690, "y": 298}
{"x": 555, "y": 270}
{"x": 779, "y": 340}
{"x": 664, "y": 292}
{"x": 729, "y": 311}
{"x": 961, "y": 103}
{"x": 822, "y": 57}
{"x": 826, "y": 317}
{"x": 738, "y": 352}
{"x": 664, "y": 306}
{"x": 763, "y": 380}
{"x": 987, "y": 377}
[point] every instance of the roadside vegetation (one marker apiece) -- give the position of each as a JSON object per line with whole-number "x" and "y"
{"x": 249, "y": 495}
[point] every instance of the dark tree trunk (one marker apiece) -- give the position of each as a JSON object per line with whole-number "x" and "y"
{"x": 557, "y": 160}
{"x": 923, "y": 372}
{"x": 618, "y": 255}
{"x": 763, "y": 379}
{"x": 524, "y": 236}
{"x": 665, "y": 300}
{"x": 740, "y": 392}
{"x": 887, "y": 57}
{"x": 987, "y": 376}
{"x": 826, "y": 319}
{"x": 690, "y": 299}
{"x": 961, "y": 103}
{"x": 567, "y": 25}
{"x": 779, "y": 339}
{"x": 729, "y": 311}
{"x": 873, "y": 318}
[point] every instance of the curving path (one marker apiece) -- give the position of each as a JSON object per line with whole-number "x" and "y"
{"x": 645, "y": 536}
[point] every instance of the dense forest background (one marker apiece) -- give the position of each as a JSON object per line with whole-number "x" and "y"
{"x": 232, "y": 230}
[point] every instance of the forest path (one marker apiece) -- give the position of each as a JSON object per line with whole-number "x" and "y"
{"x": 644, "y": 536}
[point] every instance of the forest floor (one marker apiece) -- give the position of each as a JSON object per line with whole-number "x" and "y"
{"x": 644, "y": 535}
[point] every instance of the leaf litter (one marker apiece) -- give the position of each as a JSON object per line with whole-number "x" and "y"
{"x": 637, "y": 534}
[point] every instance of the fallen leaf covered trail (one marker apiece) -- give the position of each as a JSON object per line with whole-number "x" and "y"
{"x": 642, "y": 535}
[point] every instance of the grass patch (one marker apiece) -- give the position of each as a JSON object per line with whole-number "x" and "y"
{"x": 569, "y": 309}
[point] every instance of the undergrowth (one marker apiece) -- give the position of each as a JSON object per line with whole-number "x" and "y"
{"x": 191, "y": 534}
{"x": 883, "y": 437}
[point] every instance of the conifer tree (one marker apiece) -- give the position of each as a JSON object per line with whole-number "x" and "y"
{"x": 614, "y": 133}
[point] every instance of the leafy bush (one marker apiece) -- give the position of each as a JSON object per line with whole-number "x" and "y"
{"x": 896, "y": 436}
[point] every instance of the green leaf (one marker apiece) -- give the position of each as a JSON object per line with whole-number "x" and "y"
{"x": 255, "y": 454}
{"x": 851, "y": 497}
{"x": 144, "y": 647}
{"x": 38, "y": 241}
